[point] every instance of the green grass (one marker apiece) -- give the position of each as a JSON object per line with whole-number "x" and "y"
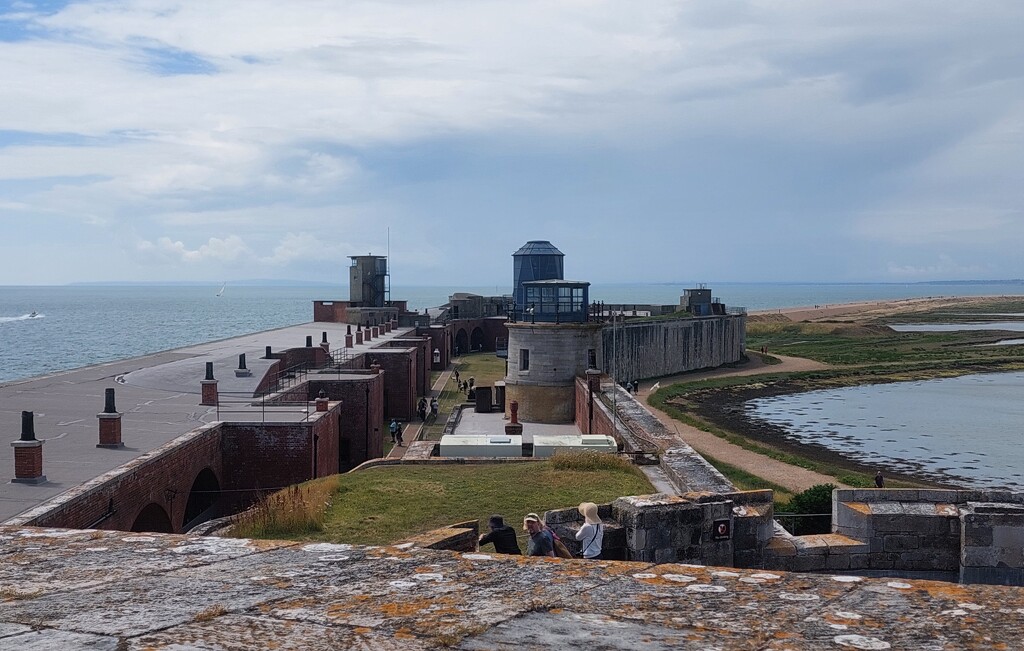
{"x": 746, "y": 481}
{"x": 484, "y": 368}
{"x": 846, "y": 344}
{"x": 389, "y": 504}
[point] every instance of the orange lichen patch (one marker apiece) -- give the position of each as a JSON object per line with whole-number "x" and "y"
{"x": 859, "y": 507}
{"x": 440, "y": 605}
{"x": 362, "y": 630}
{"x": 945, "y": 590}
{"x": 404, "y": 634}
{"x": 946, "y": 509}
{"x": 780, "y": 546}
{"x": 291, "y": 604}
{"x": 782, "y": 635}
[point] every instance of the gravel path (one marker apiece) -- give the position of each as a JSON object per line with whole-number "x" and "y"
{"x": 791, "y": 477}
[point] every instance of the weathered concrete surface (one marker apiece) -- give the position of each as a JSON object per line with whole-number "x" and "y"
{"x": 111, "y": 590}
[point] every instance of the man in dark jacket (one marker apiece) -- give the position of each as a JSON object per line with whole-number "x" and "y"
{"x": 503, "y": 537}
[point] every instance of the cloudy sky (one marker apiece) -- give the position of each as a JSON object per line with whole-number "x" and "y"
{"x": 665, "y": 141}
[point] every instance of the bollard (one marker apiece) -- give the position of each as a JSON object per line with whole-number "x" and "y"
{"x": 513, "y": 427}
{"x": 348, "y": 338}
{"x": 242, "y": 371}
{"x": 209, "y": 392}
{"x": 309, "y": 341}
{"x": 28, "y": 453}
{"x": 325, "y": 344}
{"x": 110, "y": 423}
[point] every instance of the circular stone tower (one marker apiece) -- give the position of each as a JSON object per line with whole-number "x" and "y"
{"x": 543, "y": 362}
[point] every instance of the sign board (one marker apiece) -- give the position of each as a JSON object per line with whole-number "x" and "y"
{"x": 721, "y": 530}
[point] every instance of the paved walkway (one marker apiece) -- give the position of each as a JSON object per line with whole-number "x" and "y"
{"x": 414, "y": 430}
{"x": 794, "y": 478}
{"x": 158, "y": 394}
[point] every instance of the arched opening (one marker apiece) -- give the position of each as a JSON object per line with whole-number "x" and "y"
{"x": 477, "y": 340}
{"x": 461, "y": 342}
{"x": 153, "y": 518}
{"x": 204, "y": 494}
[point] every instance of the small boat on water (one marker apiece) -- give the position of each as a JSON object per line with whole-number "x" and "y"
{"x": 222, "y": 289}
{"x": 33, "y": 315}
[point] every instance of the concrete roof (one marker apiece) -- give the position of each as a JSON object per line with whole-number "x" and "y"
{"x": 123, "y": 591}
{"x": 158, "y": 394}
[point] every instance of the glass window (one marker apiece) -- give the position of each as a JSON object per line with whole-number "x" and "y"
{"x": 524, "y": 359}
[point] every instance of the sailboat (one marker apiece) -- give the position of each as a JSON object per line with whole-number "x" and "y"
{"x": 222, "y": 289}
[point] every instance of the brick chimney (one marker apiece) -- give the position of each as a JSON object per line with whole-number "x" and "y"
{"x": 209, "y": 393}
{"x": 28, "y": 453}
{"x": 110, "y": 423}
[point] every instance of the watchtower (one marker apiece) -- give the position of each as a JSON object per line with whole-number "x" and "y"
{"x": 536, "y": 260}
{"x": 368, "y": 280}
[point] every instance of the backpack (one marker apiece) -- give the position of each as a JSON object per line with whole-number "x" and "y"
{"x": 561, "y": 551}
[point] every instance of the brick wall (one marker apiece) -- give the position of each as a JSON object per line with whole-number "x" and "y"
{"x": 400, "y": 393}
{"x": 242, "y": 457}
{"x": 360, "y": 428}
{"x": 330, "y": 311}
{"x": 163, "y": 476}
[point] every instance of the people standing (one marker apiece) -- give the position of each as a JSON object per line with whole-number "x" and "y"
{"x": 879, "y": 480}
{"x": 421, "y": 408}
{"x": 591, "y": 534}
{"x": 541, "y": 543}
{"x": 398, "y": 435}
{"x": 393, "y": 428}
{"x": 456, "y": 373}
{"x": 502, "y": 536}
{"x": 433, "y": 408}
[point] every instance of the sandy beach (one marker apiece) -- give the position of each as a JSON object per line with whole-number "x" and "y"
{"x": 874, "y": 309}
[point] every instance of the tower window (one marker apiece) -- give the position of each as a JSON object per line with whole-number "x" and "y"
{"x": 524, "y": 359}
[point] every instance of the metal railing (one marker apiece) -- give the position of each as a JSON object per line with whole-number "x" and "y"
{"x": 800, "y": 523}
{"x": 247, "y": 407}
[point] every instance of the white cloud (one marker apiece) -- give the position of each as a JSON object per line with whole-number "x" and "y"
{"x": 228, "y": 249}
{"x": 292, "y": 118}
{"x": 944, "y": 267}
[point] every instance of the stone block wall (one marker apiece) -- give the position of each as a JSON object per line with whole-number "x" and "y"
{"x": 647, "y": 349}
{"x": 460, "y": 537}
{"x": 675, "y": 528}
{"x": 567, "y": 522}
{"x": 992, "y": 547}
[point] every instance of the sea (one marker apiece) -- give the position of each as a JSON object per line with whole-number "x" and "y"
{"x": 47, "y": 329}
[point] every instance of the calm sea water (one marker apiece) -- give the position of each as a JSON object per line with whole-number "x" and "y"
{"x": 967, "y": 430}
{"x": 81, "y": 325}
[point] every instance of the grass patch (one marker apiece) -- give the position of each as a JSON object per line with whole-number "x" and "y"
{"x": 746, "y": 481}
{"x": 385, "y": 505}
{"x": 295, "y": 511}
{"x": 484, "y": 368}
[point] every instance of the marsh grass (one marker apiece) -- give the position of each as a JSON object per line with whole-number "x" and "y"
{"x": 295, "y": 511}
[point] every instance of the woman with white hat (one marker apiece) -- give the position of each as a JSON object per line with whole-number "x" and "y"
{"x": 591, "y": 534}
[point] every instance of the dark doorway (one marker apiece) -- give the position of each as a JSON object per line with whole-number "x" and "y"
{"x": 204, "y": 494}
{"x": 153, "y": 518}
{"x": 477, "y": 340}
{"x": 461, "y": 342}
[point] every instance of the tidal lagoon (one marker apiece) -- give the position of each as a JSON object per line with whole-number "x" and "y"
{"x": 965, "y": 430}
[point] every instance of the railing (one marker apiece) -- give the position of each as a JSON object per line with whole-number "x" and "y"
{"x": 735, "y": 310}
{"x": 245, "y": 407}
{"x": 805, "y": 523}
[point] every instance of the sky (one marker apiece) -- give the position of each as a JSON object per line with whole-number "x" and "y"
{"x": 649, "y": 141}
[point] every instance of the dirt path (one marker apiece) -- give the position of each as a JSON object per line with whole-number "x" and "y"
{"x": 791, "y": 477}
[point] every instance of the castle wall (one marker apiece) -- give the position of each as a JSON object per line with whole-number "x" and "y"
{"x": 650, "y": 349}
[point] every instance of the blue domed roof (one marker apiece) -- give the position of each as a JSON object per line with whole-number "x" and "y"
{"x": 538, "y": 247}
